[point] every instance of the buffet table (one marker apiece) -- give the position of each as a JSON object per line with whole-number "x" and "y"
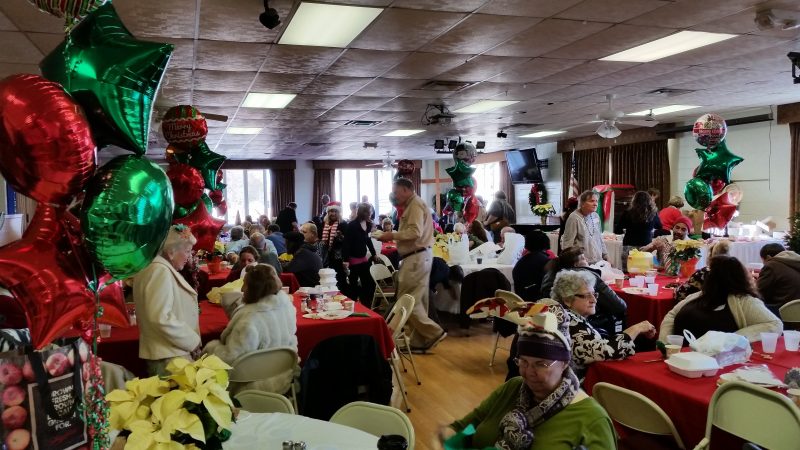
{"x": 269, "y": 431}
{"x": 646, "y": 307}
{"x": 685, "y": 400}
{"x": 123, "y": 346}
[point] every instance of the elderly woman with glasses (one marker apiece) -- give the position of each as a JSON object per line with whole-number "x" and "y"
{"x": 575, "y": 291}
{"x": 543, "y": 408}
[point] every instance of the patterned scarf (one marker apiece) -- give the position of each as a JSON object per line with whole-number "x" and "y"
{"x": 517, "y": 426}
{"x": 329, "y": 233}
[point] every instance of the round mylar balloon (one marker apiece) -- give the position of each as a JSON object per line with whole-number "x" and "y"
{"x": 126, "y": 214}
{"x": 698, "y": 193}
{"x": 709, "y": 130}
{"x": 46, "y": 147}
{"x": 183, "y": 126}
{"x": 72, "y": 10}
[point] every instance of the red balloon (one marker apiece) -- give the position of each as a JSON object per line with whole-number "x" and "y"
{"x": 47, "y": 282}
{"x": 184, "y": 126}
{"x": 717, "y": 185}
{"x": 215, "y": 196}
{"x": 46, "y": 147}
{"x": 222, "y": 208}
{"x": 719, "y": 212}
{"x": 112, "y": 299}
{"x": 204, "y": 227}
{"x": 187, "y": 184}
{"x": 470, "y": 212}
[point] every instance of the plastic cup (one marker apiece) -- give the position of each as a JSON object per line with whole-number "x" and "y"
{"x": 652, "y": 289}
{"x": 675, "y": 339}
{"x": 350, "y": 305}
{"x": 649, "y": 280}
{"x": 769, "y": 341}
{"x": 791, "y": 339}
{"x": 620, "y": 282}
{"x": 651, "y": 273}
{"x": 285, "y": 289}
{"x": 672, "y": 349}
{"x": 479, "y": 260}
{"x": 105, "y": 330}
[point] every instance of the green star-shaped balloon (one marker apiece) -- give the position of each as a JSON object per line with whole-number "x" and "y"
{"x": 113, "y": 75}
{"x": 716, "y": 163}
{"x": 461, "y": 174}
{"x": 207, "y": 162}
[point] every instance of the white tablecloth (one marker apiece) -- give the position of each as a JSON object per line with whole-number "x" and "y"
{"x": 553, "y": 236}
{"x": 269, "y": 431}
{"x": 449, "y": 300}
{"x": 745, "y": 252}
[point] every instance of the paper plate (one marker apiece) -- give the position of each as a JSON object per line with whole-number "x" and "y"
{"x": 335, "y": 315}
{"x": 635, "y": 290}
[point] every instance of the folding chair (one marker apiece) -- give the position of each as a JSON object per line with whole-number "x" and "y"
{"x": 386, "y": 262}
{"x": 375, "y": 419}
{"x": 264, "y": 364}
{"x": 790, "y": 314}
{"x": 264, "y": 402}
{"x": 513, "y": 301}
{"x": 384, "y": 285}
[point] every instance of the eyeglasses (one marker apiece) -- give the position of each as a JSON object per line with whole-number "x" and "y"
{"x": 539, "y": 366}
{"x": 587, "y": 295}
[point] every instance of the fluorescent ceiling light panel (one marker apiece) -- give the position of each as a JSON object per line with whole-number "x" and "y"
{"x": 540, "y": 134}
{"x": 664, "y": 110}
{"x": 270, "y": 101}
{"x": 485, "y": 105}
{"x": 324, "y": 25}
{"x": 671, "y": 45}
{"x": 401, "y": 133}
{"x": 243, "y": 130}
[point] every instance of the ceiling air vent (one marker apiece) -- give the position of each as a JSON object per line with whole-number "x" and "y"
{"x": 362, "y": 123}
{"x": 450, "y": 86}
{"x": 668, "y": 92}
{"x": 316, "y": 144}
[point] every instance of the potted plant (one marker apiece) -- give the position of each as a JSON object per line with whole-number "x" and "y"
{"x": 213, "y": 258}
{"x": 684, "y": 256}
{"x": 543, "y": 211}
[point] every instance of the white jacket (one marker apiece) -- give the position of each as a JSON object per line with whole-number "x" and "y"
{"x": 271, "y": 322}
{"x": 750, "y": 314}
{"x": 167, "y": 312}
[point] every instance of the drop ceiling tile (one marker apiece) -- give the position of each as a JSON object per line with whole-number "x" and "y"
{"x": 536, "y": 69}
{"x": 680, "y": 76}
{"x": 615, "y": 11}
{"x": 218, "y": 98}
{"x": 248, "y": 123}
{"x": 685, "y": 13}
{"x": 772, "y": 57}
{"x": 341, "y": 115}
{"x": 528, "y": 8}
{"x": 529, "y": 91}
{"x": 573, "y": 92}
{"x": 478, "y": 33}
{"x": 587, "y": 71}
{"x": 482, "y": 91}
{"x": 743, "y": 23}
{"x": 365, "y": 63}
{"x": 547, "y": 36}
{"x": 386, "y": 87}
{"x": 27, "y": 17}
{"x": 175, "y": 78}
{"x": 609, "y": 41}
{"x": 237, "y": 20}
{"x": 440, "y": 5}
{"x": 217, "y": 80}
{"x": 17, "y": 48}
{"x": 421, "y": 65}
{"x": 408, "y": 104}
{"x": 172, "y": 97}
{"x": 257, "y": 113}
{"x": 46, "y": 42}
{"x": 300, "y": 114}
{"x": 301, "y": 59}
{"x": 482, "y": 68}
{"x": 354, "y": 103}
{"x": 5, "y": 23}
{"x": 226, "y": 55}
{"x": 183, "y": 53}
{"x": 722, "y": 50}
{"x": 333, "y": 85}
{"x": 324, "y": 102}
{"x": 285, "y": 83}
{"x": 7, "y": 69}
{"x": 175, "y": 18}
{"x": 635, "y": 73}
{"x": 405, "y": 29}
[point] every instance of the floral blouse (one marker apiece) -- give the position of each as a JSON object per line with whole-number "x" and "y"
{"x": 692, "y": 285}
{"x": 589, "y": 346}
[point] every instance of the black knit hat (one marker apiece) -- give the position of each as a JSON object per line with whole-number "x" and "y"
{"x": 544, "y": 339}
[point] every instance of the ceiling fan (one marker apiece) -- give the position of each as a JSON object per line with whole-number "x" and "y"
{"x": 611, "y": 117}
{"x": 387, "y": 163}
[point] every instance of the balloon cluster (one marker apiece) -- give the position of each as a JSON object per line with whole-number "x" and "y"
{"x": 710, "y": 189}
{"x": 193, "y": 168}
{"x": 461, "y": 198}
{"x": 98, "y": 89}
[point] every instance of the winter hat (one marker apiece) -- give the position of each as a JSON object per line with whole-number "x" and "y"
{"x": 686, "y": 221}
{"x": 543, "y": 338}
{"x": 334, "y": 205}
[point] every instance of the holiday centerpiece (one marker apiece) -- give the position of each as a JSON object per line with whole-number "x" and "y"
{"x": 684, "y": 256}
{"x": 188, "y": 409}
{"x": 543, "y": 211}
{"x": 214, "y": 257}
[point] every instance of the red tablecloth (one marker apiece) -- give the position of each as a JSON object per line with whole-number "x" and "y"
{"x": 123, "y": 345}
{"x": 685, "y": 400}
{"x": 644, "y": 307}
{"x": 310, "y": 332}
{"x": 218, "y": 279}
{"x": 388, "y": 248}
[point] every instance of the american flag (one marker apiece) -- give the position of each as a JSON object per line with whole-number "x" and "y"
{"x": 574, "y": 192}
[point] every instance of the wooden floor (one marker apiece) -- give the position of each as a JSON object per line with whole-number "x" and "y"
{"x": 455, "y": 377}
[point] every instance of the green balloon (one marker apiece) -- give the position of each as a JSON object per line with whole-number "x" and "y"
{"x": 183, "y": 211}
{"x": 461, "y": 174}
{"x": 126, "y": 214}
{"x": 207, "y": 162}
{"x": 209, "y": 204}
{"x": 455, "y": 199}
{"x": 717, "y": 163}
{"x": 698, "y": 193}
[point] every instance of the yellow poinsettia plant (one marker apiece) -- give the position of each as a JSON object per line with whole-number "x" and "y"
{"x": 685, "y": 249}
{"x": 285, "y": 257}
{"x": 190, "y": 408}
{"x": 543, "y": 210}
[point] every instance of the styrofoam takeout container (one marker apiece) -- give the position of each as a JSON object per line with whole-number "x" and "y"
{"x": 693, "y": 364}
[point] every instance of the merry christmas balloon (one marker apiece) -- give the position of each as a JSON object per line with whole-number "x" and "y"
{"x": 184, "y": 126}
{"x": 709, "y": 130}
{"x": 72, "y": 10}
{"x": 466, "y": 152}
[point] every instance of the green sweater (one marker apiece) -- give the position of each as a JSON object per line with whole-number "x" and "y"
{"x": 582, "y": 422}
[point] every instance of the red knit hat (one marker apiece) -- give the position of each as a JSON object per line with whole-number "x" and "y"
{"x": 334, "y": 205}
{"x": 686, "y": 221}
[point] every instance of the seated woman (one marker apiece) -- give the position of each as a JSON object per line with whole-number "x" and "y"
{"x": 695, "y": 282}
{"x": 268, "y": 254}
{"x": 575, "y": 290}
{"x": 248, "y": 255}
{"x": 266, "y": 320}
{"x": 530, "y": 269}
{"x": 611, "y": 308}
{"x": 461, "y": 230}
{"x": 544, "y": 408}
{"x": 387, "y": 225}
{"x": 728, "y": 302}
{"x": 478, "y": 232}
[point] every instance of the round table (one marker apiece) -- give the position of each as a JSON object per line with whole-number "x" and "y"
{"x": 269, "y": 431}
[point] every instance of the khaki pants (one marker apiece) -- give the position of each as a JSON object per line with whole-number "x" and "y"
{"x": 414, "y": 277}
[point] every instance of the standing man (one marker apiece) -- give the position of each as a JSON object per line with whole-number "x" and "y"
{"x": 414, "y": 241}
{"x": 501, "y": 214}
{"x": 287, "y": 218}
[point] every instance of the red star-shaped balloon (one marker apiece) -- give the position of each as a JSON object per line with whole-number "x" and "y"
{"x": 46, "y": 281}
{"x": 204, "y": 227}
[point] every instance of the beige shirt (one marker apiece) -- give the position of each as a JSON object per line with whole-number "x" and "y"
{"x": 416, "y": 227}
{"x": 167, "y": 312}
